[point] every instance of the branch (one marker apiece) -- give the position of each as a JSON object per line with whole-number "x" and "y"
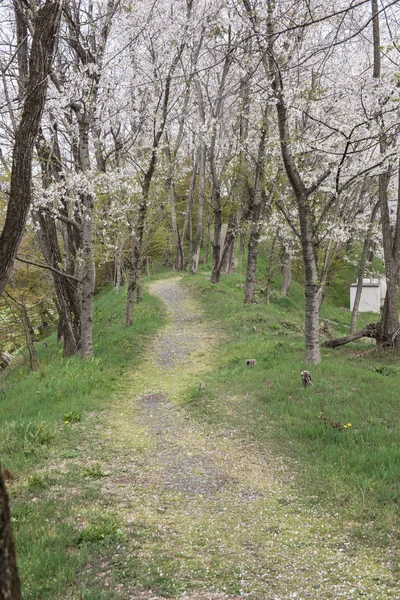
{"x": 42, "y": 266}
{"x": 288, "y": 219}
{"x": 370, "y": 331}
{"x": 61, "y": 218}
{"x": 318, "y": 182}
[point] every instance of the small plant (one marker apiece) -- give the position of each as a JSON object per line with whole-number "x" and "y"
{"x": 36, "y": 483}
{"x": 69, "y": 454}
{"x": 103, "y": 533}
{"x": 72, "y": 417}
{"x": 334, "y": 424}
{"x": 385, "y": 370}
{"x": 94, "y": 472}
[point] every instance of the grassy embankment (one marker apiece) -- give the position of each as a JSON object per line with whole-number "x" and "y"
{"x": 44, "y": 420}
{"x": 342, "y": 433}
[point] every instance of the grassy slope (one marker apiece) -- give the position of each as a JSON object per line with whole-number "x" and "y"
{"x": 44, "y": 417}
{"x": 354, "y": 470}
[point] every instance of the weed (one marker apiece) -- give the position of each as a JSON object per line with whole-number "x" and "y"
{"x": 72, "y": 417}
{"x": 103, "y": 532}
{"x": 27, "y": 438}
{"x": 385, "y": 370}
{"x": 71, "y": 453}
{"x": 94, "y": 472}
{"x": 37, "y": 482}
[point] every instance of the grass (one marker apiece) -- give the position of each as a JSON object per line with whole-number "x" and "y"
{"x": 45, "y": 417}
{"x": 353, "y": 469}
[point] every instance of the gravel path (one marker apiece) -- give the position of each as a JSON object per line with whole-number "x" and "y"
{"x": 209, "y": 516}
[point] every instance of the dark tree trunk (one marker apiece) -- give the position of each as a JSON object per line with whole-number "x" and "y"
{"x": 216, "y": 244}
{"x": 215, "y": 177}
{"x": 88, "y": 270}
{"x": 256, "y": 212}
{"x": 10, "y": 588}
{"x": 44, "y": 38}
{"x": 229, "y": 245}
{"x": 390, "y": 324}
{"x": 136, "y": 256}
{"x": 67, "y": 290}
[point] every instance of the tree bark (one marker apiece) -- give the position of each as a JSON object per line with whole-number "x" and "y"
{"x": 67, "y": 292}
{"x": 225, "y": 263}
{"x": 215, "y": 178}
{"x": 10, "y": 588}
{"x": 194, "y": 262}
{"x": 88, "y": 278}
{"x": 312, "y": 287}
{"x": 256, "y": 212}
{"x": 43, "y": 42}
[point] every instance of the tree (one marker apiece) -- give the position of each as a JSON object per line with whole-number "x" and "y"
{"x": 159, "y": 120}
{"x": 43, "y": 43}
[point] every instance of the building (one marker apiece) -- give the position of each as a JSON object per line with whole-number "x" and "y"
{"x": 372, "y": 295}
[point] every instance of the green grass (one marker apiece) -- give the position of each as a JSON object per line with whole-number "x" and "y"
{"x": 44, "y": 418}
{"x": 353, "y": 470}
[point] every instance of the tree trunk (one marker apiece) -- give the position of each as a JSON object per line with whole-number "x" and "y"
{"x": 229, "y": 245}
{"x": 118, "y": 266}
{"x": 33, "y": 359}
{"x": 215, "y": 176}
{"x": 44, "y": 38}
{"x": 180, "y": 259}
{"x": 312, "y": 289}
{"x": 67, "y": 292}
{"x": 136, "y": 256}
{"x": 361, "y": 271}
{"x": 286, "y": 268}
{"x": 10, "y": 588}
{"x": 88, "y": 279}
{"x": 189, "y": 210}
{"x": 232, "y": 258}
{"x": 257, "y": 209}
{"x": 390, "y": 325}
{"x": 194, "y": 262}
{"x": 370, "y": 331}
{"x": 216, "y": 244}
{"x": 139, "y": 289}
{"x": 270, "y": 269}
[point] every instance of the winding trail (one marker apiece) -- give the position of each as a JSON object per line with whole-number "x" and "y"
{"x": 206, "y": 514}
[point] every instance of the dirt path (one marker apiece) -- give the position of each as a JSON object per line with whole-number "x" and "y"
{"x": 204, "y": 514}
